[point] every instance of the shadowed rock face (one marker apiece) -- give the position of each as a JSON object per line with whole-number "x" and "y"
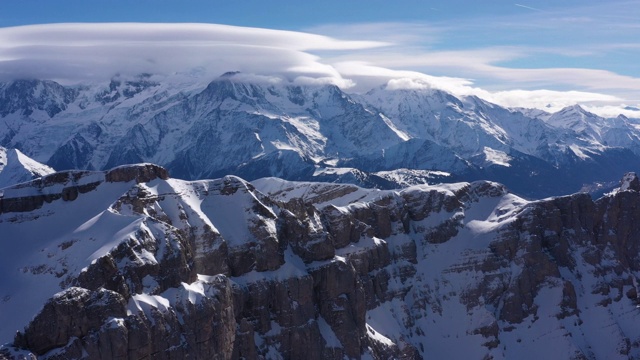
{"x": 71, "y": 313}
{"x": 74, "y": 183}
{"x": 37, "y": 197}
{"x": 317, "y": 281}
{"x": 140, "y": 173}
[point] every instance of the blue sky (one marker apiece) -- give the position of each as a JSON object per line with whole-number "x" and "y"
{"x": 279, "y": 14}
{"x": 503, "y": 50}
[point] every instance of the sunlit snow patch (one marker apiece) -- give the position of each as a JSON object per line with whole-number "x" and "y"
{"x": 579, "y": 153}
{"x": 497, "y": 157}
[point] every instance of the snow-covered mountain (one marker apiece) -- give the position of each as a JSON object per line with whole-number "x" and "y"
{"x": 618, "y": 132}
{"x": 15, "y": 167}
{"x": 257, "y": 128}
{"x": 130, "y": 263}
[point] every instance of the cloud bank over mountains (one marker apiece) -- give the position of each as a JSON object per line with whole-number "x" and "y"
{"x": 80, "y": 52}
{"x": 77, "y": 52}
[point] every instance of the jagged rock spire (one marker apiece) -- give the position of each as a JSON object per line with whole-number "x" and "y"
{"x": 630, "y": 181}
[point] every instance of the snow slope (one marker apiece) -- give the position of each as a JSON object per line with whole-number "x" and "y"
{"x": 16, "y": 167}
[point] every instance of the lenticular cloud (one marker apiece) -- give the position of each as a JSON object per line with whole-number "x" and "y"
{"x": 75, "y": 52}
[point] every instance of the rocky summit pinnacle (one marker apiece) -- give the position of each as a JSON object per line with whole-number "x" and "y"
{"x": 630, "y": 181}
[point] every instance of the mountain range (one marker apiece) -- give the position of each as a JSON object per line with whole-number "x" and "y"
{"x": 385, "y": 138}
{"x": 130, "y": 263}
{"x": 258, "y": 218}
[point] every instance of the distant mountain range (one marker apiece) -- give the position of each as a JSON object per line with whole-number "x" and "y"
{"x": 385, "y": 138}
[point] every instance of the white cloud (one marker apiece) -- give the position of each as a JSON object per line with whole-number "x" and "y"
{"x": 87, "y": 34}
{"x": 77, "y": 52}
{"x": 385, "y": 53}
{"x": 583, "y": 47}
{"x": 367, "y": 76}
{"x": 483, "y": 64}
{"x": 408, "y": 83}
{"x": 587, "y": 78}
{"x": 307, "y": 80}
{"x": 547, "y": 99}
{"x": 527, "y": 7}
{"x": 610, "y": 111}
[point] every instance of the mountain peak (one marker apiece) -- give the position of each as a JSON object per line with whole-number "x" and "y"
{"x": 630, "y": 181}
{"x": 574, "y": 117}
{"x": 16, "y": 167}
{"x": 229, "y": 74}
{"x": 575, "y": 109}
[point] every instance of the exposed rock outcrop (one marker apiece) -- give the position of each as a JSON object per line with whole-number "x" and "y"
{"x": 217, "y": 269}
{"x": 71, "y": 313}
{"x": 140, "y": 173}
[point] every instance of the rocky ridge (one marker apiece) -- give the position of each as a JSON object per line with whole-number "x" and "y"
{"x": 275, "y": 269}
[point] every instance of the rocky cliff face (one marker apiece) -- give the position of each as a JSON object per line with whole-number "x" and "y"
{"x": 229, "y": 269}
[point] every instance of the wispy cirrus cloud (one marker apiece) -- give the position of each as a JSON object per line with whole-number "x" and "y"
{"x": 544, "y": 56}
{"x": 527, "y": 7}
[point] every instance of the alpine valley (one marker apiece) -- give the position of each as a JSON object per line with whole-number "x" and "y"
{"x": 250, "y": 218}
